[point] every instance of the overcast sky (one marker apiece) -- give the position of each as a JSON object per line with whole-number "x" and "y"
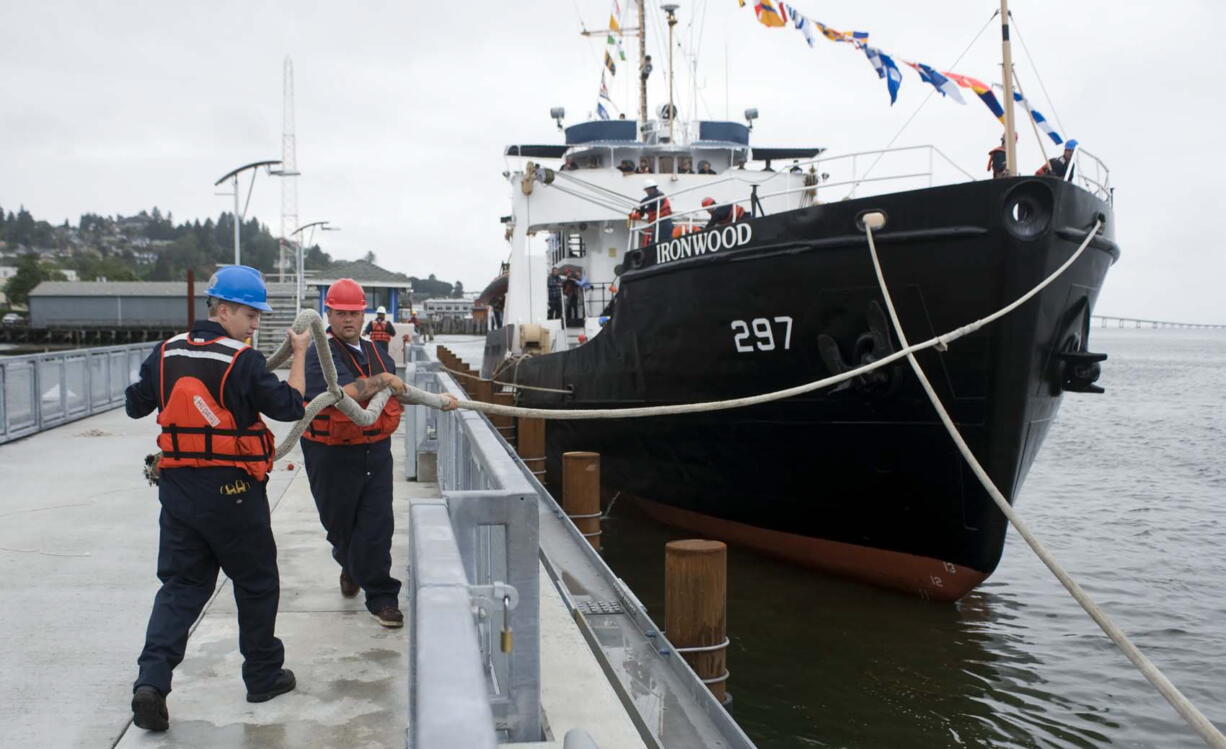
{"x": 403, "y": 110}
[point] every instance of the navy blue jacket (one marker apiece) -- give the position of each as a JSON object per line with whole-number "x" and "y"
{"x": 315, "y": 383}
{"x": 251, "y": 389}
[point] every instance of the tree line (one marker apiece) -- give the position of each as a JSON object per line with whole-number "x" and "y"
{"x": 114, "y": 249}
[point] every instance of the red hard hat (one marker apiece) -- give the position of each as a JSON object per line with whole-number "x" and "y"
{"x": 708, "y": 201}
{"x": 346, "y": 294}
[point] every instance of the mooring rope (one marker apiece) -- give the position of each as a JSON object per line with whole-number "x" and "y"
{"x": 507, "y": 384}
{"x": 334, "y": 395}
{"x": 1212, "y": 736}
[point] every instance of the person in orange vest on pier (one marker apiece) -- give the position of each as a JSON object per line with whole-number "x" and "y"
{"x": 654, "y": 205}
{"x": 722, "y": 215}
{"x": 379, "y": 330}
{"x": 350, "y": 466}
{"x": 210, "y": 389}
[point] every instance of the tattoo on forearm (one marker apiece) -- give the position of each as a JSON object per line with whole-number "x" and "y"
{"x": 367, "y": 387}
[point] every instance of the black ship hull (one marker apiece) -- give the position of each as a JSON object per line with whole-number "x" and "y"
{"x": 861, "y": 480}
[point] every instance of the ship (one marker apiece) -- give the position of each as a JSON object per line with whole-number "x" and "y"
{"x": 860, "y": 479}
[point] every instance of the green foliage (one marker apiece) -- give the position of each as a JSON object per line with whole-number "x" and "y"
{"x": 30, "y": 273}
{"x": 118, "y": 249}
{"x": 316, "y": 259}
{"x": 95, "y": 267}
{"x": 175, "y": 259}
{"x": 22, "y": 230}
{"x": 426, "y": 288}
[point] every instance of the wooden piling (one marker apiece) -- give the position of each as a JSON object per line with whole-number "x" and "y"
{"x": 696, "y": 608}
{"x": 504, "y": 424}
{"x": 581, "y": 493}
{"x": 530, "y": 444}
{"x": 483, "y": 390}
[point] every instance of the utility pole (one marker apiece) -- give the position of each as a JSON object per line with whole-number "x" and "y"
{"x": 289, "y": 167}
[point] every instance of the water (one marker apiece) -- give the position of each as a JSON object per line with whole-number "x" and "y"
{"x": 1129, "y": 493}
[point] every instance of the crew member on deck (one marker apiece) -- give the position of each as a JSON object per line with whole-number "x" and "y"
{"x": 350, "y": 466}
{"x": 379, "y": 330}
{"x": 1060, "y": 165}
{"x": 997, "y": 161}
{"x": 722, "y": 215}
{"x": 654, "y": 205}
{"x": 209, "y": 389}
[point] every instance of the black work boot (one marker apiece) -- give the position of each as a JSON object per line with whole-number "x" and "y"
{"x": 149, "y": 709}
{"x": 285, "y": 683}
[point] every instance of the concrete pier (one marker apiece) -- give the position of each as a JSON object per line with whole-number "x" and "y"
{"x": 74, "y": 622}
{"x": 78, "y": 545}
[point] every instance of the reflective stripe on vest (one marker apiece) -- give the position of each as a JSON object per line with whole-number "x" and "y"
{"x": 198, "y": 431}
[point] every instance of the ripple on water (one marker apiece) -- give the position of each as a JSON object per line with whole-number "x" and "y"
{"x": 1126, "y": 493}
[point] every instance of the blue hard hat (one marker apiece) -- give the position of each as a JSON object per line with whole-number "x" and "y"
{"x": 1070, "y": 144}
{"x": 241, "y": 284}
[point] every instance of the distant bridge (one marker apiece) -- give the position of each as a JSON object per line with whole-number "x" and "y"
{"x": 1106, "y": 321}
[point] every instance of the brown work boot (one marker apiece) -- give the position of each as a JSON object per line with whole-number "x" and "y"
{"x": 390, "y": 617}
{"x": 349, "y": 588}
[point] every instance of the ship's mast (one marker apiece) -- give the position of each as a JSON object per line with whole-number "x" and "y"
{"x": 671, "y": 10}
{"x": 642, "y": 65}
{"x": 1007, "y": 59}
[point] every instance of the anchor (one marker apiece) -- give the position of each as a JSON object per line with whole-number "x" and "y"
{"x": 1073, "y": 368}
{"x": 870, "y": 346}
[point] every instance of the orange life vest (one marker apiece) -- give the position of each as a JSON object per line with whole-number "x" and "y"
{"x": 197, "y": 429}
{"x": 332, "y": 427}
{"x": 379, "y": 331}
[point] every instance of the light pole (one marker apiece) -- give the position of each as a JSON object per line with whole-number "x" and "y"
{"x": 238, "y": 217}
{"x": 300, "y": 281}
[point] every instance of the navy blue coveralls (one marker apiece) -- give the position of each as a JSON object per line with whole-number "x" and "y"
{"x": 352, "y": 485}
{"x": 204, "y": 528}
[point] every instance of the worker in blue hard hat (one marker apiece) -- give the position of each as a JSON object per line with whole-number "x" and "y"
{"x": 1061, "y": 166}
{"x": 209, "y": 388}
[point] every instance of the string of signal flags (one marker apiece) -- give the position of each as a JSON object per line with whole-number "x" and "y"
{"x": 775, "y": 14}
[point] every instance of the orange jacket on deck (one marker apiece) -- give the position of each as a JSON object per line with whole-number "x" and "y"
{"x": 332, "y": 427}
{"x": 197, "y": 429}
{"x": 379, "y": 331}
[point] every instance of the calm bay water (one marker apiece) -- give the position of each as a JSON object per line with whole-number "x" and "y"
{"x": 1129, "y": 493}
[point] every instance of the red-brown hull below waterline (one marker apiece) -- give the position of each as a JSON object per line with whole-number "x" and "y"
{"x": 930, "y": 579}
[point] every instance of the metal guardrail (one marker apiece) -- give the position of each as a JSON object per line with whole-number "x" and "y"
{"x": 41, "y": 391}
{"x": 475, "y": 550}
{"x": 491, "y": 498}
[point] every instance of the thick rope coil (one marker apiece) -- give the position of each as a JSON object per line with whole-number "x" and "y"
{"x": 334, "y": 395}
{"x": 1189, "y": 712}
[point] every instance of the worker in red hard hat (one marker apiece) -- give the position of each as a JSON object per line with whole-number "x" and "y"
{"x": 722, "y": 215}
{"x": 350, "y": 466}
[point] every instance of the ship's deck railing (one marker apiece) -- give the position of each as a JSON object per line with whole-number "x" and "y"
{"x": 1089, "y": 173}
{"x": 828, "y": 179}
{"x": 474, "y": 573}
{"x": 41, "y": 391}
{"x": 1092, "y": 175}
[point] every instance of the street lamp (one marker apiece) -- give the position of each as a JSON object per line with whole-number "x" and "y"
{"x": 300, "y": 282}
{"x": 238, "y": 217}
